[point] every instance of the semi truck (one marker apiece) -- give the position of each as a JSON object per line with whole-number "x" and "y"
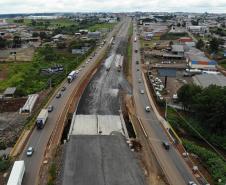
{"x": 41, "y": 119}
{"x": 71, "y": 76}
{"x": 17, "y": 173}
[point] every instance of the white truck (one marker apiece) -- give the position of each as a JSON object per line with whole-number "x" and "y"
{"x": 71, "y": 76}
{"x": 41, "y": 119}
{"x": 17, "y": 173}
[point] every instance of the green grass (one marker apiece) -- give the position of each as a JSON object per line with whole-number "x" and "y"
{"x": 54, "y": 23}
{"x": 27, "y": 77}
{"x": 99, "y": 26}
{"x": 173, "y": 36}
{"x": 129, "y": 50}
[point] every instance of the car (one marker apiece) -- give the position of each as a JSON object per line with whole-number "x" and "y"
{"x": 148, "y": 109}
{"x": 138, "y": 69}
{"x": 141, "y": 91}
{"x": 63, "y": 88}
{"x": 77, "y": 71}
{"x": 87, "y": 62}
{"x": 191, "y": 183}
{"x": 58, "y": 95}
{"x": 30, "y": 151}
{"x": 137, "y": 62}
{"x": 166, "y": 145}
{"x": 50, "y": 108}
{"x": 139, "y": 80}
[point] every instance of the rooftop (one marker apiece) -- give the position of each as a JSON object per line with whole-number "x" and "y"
{"x": 206, "y": 80}
{"x": 9, "y": 91}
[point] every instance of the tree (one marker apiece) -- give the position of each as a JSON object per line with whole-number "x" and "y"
{"x": 61, "y": 45}
{"x": 17, "y": 41}
{"x": 214, "y": 45}
{"x": 42, "y": 35}
{"x": 48, "y": 53}
{"x": 200, "y": 44}
{"x": 35, "y": 34}
{"x": 2, "y": 43}
{"x": 208, "y": 105}
{"x": 186, "y": 94}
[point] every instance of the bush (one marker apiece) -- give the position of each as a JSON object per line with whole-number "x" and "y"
{"x": 4, "y": 165}
{"x": 214, "y": 164}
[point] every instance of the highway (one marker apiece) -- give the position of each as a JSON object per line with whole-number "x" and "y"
{"x": 39, "y": 138}
{"x": 173, "y": 165}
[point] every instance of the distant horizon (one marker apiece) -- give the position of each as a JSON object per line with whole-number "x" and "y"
{"x": 114, "y": 6}
{"x": 83, "y": 12}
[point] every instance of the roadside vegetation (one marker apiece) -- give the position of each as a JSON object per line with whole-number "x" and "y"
{"x": 203, "y": 122}
{"x": 129, "y": 51}
{"x": 27, "y": 76}
{"x": 211, "y": 161}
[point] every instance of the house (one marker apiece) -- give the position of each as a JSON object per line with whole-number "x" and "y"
{"x": 205, "y": 80}
{"x": 177, "y": 50}
{"x": 185, "y": 39}
{"x": 59, "y": 37}
{"x": 94, "y": 35}
{"x": 198, "y": 29}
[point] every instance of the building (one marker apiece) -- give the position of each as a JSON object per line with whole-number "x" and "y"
{"x": 9, "y": 92}
{"x": 198, "y": 29}
{"x": 185, "y": 39}
{"x": 94, "y": 35}
{"x": 206, "y": 80}
{"x": 197, "y": 60}
{"x": 177, "y": 50}
{"x": 29, "y": 105}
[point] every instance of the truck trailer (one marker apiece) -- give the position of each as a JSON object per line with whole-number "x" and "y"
{"x": 41, "y": 119}
{"x": 17, "y": 173}
{"x": 71, "y": 76}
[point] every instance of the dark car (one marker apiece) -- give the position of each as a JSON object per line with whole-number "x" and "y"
{"x": 137, "y": 62}
{"x": 58, "y": 95}
{"x": 166, "y": 145}
{"x": 63, "y": 88}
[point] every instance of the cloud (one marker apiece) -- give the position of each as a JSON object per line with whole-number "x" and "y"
{"x": 31, "y": 6}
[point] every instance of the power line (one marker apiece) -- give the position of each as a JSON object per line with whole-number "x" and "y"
{"x": 202, "y": 137}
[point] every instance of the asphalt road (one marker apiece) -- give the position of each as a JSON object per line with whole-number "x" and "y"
{"x": 173, "y": 165}
{"x": 39, "y": 138}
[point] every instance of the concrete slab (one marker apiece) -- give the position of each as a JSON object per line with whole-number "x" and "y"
{"x": 107, "y": 124}
{"x": 100, "y": 160}
{"x": 84, "y": 125}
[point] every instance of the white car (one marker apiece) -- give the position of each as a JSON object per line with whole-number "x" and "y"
{"x": 77, "y": 71}
{"x": 30, "y": 151}
{"x": 191, "y": 183}
{"x": 141, "y": 91}
{"x": 87, "y": 62}
{"x": 148, "y": 109}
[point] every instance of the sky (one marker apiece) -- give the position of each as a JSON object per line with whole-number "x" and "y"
{"x": 43, "y": 6}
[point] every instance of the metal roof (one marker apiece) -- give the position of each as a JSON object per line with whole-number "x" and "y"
{"x": 206, "y": 80}
{"x": 177, "y": 48}
{"x": 10, "y": 91}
